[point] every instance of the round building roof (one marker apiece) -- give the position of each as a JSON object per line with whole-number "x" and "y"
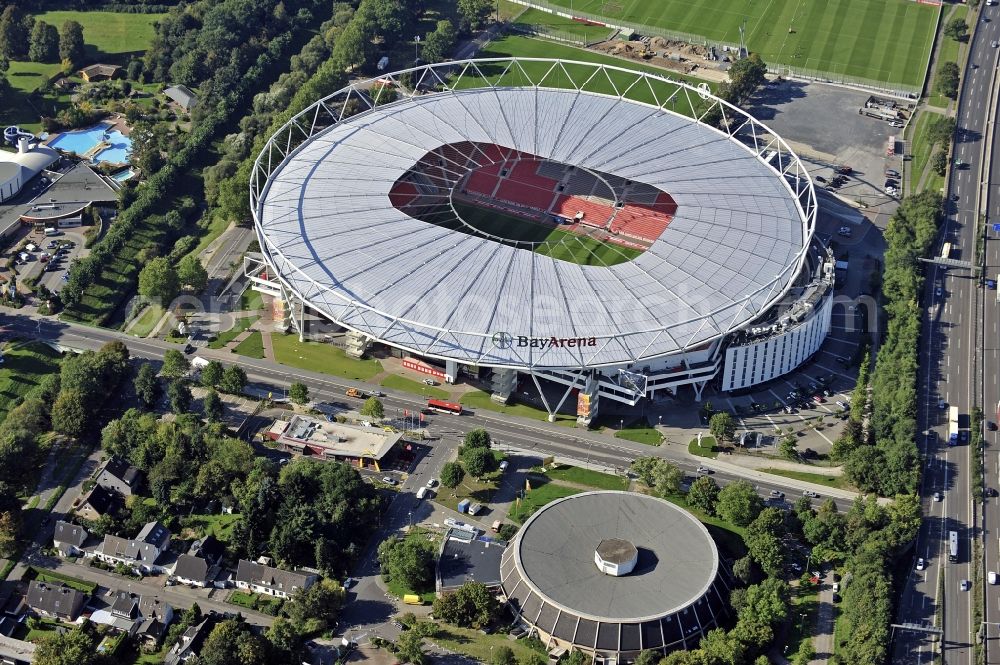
{"x": 677, "y": 558}
{"x": 734, "y": 243}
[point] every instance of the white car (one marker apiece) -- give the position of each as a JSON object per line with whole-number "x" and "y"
{"x": 964, "y": 584}
{"x": 704, "y": 470}
{"x": 810, "y": 494}
{"x": 432, "y": 482}
{"x": 775, "y": 494}
{"x": 388, "y": 481}
{"x": 430, "y": 382}
{"x": 895, "y": 123}
{"x": 937, "y": 496}
{"x": 921, "y": 564}
{"x": 836, "y": 587}
{"x": 842, "y": 404}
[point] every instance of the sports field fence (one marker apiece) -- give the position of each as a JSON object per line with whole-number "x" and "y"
{"x": 548, "y": 32}
{"x": 892, "y": 89}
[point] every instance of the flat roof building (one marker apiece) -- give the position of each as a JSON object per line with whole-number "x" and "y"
{"x": 464, "y": 558}
{"x": 332, "y": 440}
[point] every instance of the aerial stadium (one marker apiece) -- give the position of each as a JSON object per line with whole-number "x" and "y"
{"x": 615, "y": 573}
{"x": 614, "y": 233}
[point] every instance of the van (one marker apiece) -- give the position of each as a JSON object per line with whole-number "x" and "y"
{"x": 504, "y": 465}
{"x": 422, "y": 493}
{"x": 51, "y": 231}
{"x": 991, "y": 577}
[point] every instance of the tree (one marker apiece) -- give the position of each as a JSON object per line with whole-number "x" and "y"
{"x": 940, "y": 130}
{"x": 745, "y": 76}
{"x": 158, "y": 280}
{"x": 232, "y": 643}
{"x": 704, "y": 494}
{"x": 722, "y": 426}
{"x": 408, "y": 561}
{"x": 438, "y": 44}
{"x": 788, "y": 447}
{"x": 71, "y": 413}
{"x": 211, "y": 406}
{"x": 298, "y": 393}
{"x": 211, "y": 374}
{"x": 939, "y": 162}
{"x": 233, "y": 380}
{"x": 739, "y": 503}
{"x": 180, "y": 396}
{"x": 475, "y": 12}
{"x": 479, "y": 461}
{"x": 175, "y": 364}
{"x": 147, "y": 386}
{"x": 648, "y": 657}
{"x": 452, "y": 474}
{"x": 192, "y": 274}
{"x": 575, "y": 658}
{"x": 410, "y": 648}
{"x": 947, "y": 79}
{"x": 477, "y": 438}
{"x": 71, "y": 43}
{"x": 15, "y": 28}
{"x": 957, "y": 29}
{"x": 502, "y": 655}
{"x": 763, "y": 539}
{"x": 9, "y": 529}
{"x": 471, "y": 605}
{"x": 44, "y": 43}
{"x": 743, "y": 569}
{"x": 74, "y": 647}
{"x": 373, "y": 408}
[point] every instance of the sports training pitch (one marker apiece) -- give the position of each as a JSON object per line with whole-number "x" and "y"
{"x": 546, "y": 239}
{"x": 882, "y": 40}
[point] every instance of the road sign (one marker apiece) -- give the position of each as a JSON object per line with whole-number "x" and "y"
{"x": 996, "y": 228}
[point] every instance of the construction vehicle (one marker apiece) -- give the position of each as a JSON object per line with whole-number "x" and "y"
{"x": 354, "y": 392}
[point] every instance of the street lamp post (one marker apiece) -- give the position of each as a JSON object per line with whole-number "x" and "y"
{"x": 416, "y": 49}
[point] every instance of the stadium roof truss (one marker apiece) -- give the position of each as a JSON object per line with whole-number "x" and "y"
{"x": 277, "y": 205}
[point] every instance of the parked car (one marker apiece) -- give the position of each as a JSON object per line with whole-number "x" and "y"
{"x": 991, "y": 426}
{"x": 964, "y": 584}
{"x": 820, "y": 178}
{"x": 432, "y": 482}
{"x": 937, "y": 496}
{"x": 836, "y": 587}
{"x": 776, "y": 494}
{"x": 388, "y": 481}
{"x": 842, "y": 404}
{"x": 891, "y": 173}
{"x": 842, "y": 360}
{"x": 921, "y": 564}
{"x": 430, "y": 382}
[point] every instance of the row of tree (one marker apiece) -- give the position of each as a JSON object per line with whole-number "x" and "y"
{"x": 24, "y": 38}
{"x": 883, "y": 458}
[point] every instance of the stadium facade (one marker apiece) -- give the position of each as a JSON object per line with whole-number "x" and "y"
{"x": 614, "y": 573}
{"x": 614, "y": 232}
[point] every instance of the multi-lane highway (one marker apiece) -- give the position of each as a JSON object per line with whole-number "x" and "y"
{"x": 949, "y": 364}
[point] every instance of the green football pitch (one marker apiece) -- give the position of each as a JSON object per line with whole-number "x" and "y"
{"x": 881, "y": 40}
{"x": 542, "y": 238}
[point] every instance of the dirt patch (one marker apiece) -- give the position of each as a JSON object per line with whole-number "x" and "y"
{"x": 671, "y": 54}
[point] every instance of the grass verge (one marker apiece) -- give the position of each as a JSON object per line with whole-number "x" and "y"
{"x": 147, "y": 321}
{"x": 481, "y": 400}
{"x": 23, "y": 368}
{"x": 255, "y": 601}
{"x": 706, "y": 449}
{"x": 542, "y": 492}
{"x": 480, "y": 647}
{"x": 588, "y": 477}
{"x": 252, "y": 346}
{"x": 837, "y": 482}
{"x": 226, "y": 337}
{"x": 318, "y": 357}
{"x": 649, "y": 436}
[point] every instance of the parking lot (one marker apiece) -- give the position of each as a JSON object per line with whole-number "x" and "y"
{"x": 50, "y": 261}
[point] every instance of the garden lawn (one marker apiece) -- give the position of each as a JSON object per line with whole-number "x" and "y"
{"x": 707, "y": 448}
{"x": 252, "y": 346}
{"x": 396, "y": 382}
{"x": 838, "y": 482}
{"x": 255, "y": 601}
{"x": 71, "y": 582}
{"x": 539, "y": 495}
{"x": 884, "y": 40}
{"x": 23, "y": 368}
{"x": 588, "y": 477}
{"x": 481, "y": 400}
{"x": 641, "y": 434}
{"x": 220, "y": 526}
{"x": 147, "y": 321}
{"x": 251, "y": 300}
{"x": 226, "y": 337}
{"x": 318, "y": 357}
{"x": 477, "y": 491}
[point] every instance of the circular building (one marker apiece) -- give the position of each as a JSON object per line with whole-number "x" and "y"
{"x": 603, "y": 229}
{"x": 614, "y": 573}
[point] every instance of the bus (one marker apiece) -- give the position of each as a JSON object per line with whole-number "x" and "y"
{"x": 953, "y": 546}
{"x": 444, "y": 407}
{"x": 946, "y": 251}
{"x": 952, "y": 425}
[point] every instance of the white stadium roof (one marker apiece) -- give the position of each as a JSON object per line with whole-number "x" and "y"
{"x": 734, "y": 245}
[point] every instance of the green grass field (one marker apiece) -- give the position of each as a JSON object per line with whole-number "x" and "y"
{"x": 528, "y": 47}
{"x": 922, "y": 149}
{"x": 252, "y": 346}
{"x": 23, "y": 368}
{"x": 416, "y": 387}
{"x": 227, "y": 336}
{"x": 817, "y": 478}
{"x": 288, "y": 350}
{"x": 563, "y": 27}
{"x": 536, "y": 498}
{"x": 649, "y": 436}
{"x": 481, "y": 400}
{"x": 544, "y": 238}
{"x": 588, "y": 477}
{"x": 707, "y": 448}
{"x": 883, "y": 40}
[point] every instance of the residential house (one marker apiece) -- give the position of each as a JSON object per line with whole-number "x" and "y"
{"x": 145, "y": 617}
{"x": 192, "y": 570}
{"x": 190, "y": 643}
{"x": 98, "y": 502}
{"x": 182, "y": 96}
{"x": 56, "y": 601}
{"x": 276, "y": 582}
{"x": 119, "y": 475}
{"x": 142, "y": 553}
{"x": 100, "y": 72}
{"x": 69, "y": 538}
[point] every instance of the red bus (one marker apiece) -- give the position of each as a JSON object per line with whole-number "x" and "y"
{"x": 444, "y": 407}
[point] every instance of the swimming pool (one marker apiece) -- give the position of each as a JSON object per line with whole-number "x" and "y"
{"x": 122, "y": 176}
{"x": 81, "y": 141}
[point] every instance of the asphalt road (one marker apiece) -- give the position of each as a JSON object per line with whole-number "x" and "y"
{"x": 949, "y": 347}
